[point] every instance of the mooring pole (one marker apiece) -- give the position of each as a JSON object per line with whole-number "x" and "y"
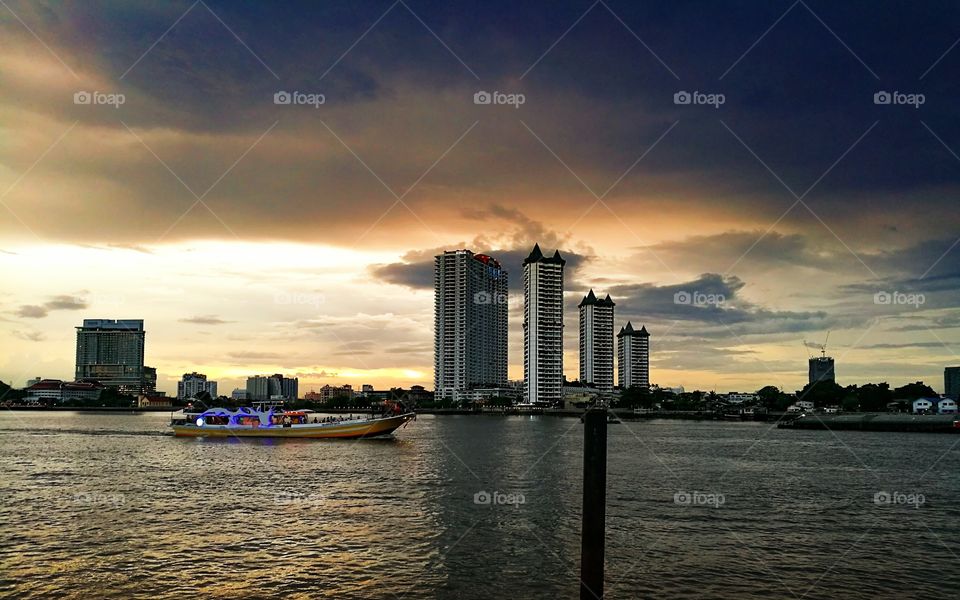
{"x": 594, "y": 503}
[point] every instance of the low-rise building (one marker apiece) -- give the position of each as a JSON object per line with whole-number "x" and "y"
{"x": 923, "y": 406}
{"x": 486, "y": 394}
{"x": 740, "y": 397}
{"x": 946, "y": 406}
{"x": 154, "y": 401}
{"x": 329, "y": 392}
{"x": 55, "y": 391}
{"x": 576, "y": 393}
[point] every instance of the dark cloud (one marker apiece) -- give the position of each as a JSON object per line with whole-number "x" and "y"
{"x": 30, "y": 336}
{"x": 316, "y": 374}
{"x": 205, "y": 320}
{"x": 599, "y": 99}
{"x": 32, "y": 312}
{"x": 419, "y": 274}
{"x": 134, "y": 247}
{"x": 61, "y": 302}
{"x": 516, "y": 235}
{"x": 710, "y": 299}
{"x": 936, "y": 345}
{"x": 65, "y": 303}
{"x": 254, "y": 355}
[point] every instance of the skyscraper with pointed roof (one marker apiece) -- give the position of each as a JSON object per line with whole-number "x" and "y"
{"x": 596, "y": 341}
{"x": 470, "y": 323}
{"x": 633, "y": 357}
{"x": 543, "y": 327}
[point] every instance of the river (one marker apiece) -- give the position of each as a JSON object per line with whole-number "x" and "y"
{"x": 101, "y": 505}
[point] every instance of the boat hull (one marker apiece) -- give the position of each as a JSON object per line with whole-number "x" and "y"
{"x": 347, "y": 430}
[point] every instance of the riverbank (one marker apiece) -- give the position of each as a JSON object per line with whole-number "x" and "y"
{"x": 625, "y": 414}
{"x": 877, "y": 422}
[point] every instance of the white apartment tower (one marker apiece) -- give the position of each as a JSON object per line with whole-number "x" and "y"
{"x": 633, "y": 357}
{"x": 194, "y": 383}
{"x": 543, "y": 327}
{"x": 470, "y": 323}
{"x": 596, "y": 341}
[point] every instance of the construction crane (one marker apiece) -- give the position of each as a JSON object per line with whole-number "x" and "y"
{"x": 823, "y": 347}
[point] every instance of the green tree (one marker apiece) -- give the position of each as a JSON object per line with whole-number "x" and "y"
{"x": 772, "y": 398}
{"x": 822, "y": 393}
{"x": 873, "y": 397}
{"x": 850, "y": 404}
{"x": 636, "y": 397}
{"x": 8, "y": 393}
{"x": 912, "y": 391}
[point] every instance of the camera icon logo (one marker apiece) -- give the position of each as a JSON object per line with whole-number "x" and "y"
{"x": 481, "y": 497}
{"x": 682, "y": 97}
{"x": 682, "y": 498}
{"x": 82, "y": 98}
{"x": 882, "y": 498}
{"x": 482, "y": 97}
{"x": 882, "y": 98}
{"x": 282, "y": 98}
{"x": 483, "y": 298}
{"x": 882, "y": 298}
{"x": 682, "y": 297}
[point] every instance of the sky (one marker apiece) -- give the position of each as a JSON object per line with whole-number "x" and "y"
{"x": 787, "y": 199}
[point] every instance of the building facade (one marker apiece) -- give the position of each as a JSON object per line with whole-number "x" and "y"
{"x": 111, "y": 352}
{"x": 596, "y": 341}
{"x": 55, "y": 391}
{"x": 272, "y": 387}
{"x": 951, "y": 382}
{"x": 543, "y": 328}
{"x": 633, "y": 357}
{"x": 193, "y": 383}
{"x": 822, "y": 369}
{"x": 470, "y": 323}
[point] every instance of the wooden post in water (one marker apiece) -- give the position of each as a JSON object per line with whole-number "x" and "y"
{"x": 594, "y": 503}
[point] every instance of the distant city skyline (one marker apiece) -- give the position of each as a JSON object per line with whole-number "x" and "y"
{"x": 258, "y": 236}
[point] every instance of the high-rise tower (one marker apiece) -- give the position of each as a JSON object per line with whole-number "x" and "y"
{"x": 596, "y": 341}
{"x": 470, "y": 323}
{"x": 633, "y": 357}
{"x": 111, "y": 352}
{"x": 543, "y": 327}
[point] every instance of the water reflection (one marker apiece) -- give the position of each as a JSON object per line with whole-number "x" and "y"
{"x": 110, "y": 507}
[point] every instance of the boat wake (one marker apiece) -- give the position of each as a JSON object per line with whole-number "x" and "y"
{"x": 108, "y": 432}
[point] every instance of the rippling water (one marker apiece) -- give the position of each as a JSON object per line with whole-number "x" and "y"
{"x": 105, "y": 505}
